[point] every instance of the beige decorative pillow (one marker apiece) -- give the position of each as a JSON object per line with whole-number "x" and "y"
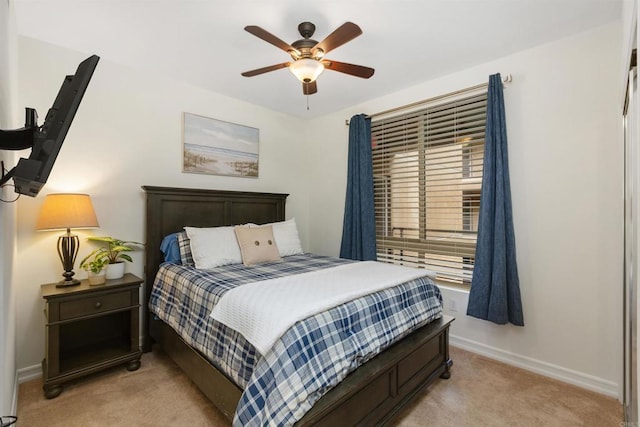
{"x": 257, "y": 245}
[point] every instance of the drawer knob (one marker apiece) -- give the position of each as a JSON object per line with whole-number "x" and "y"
{"x": 98, "y": 304}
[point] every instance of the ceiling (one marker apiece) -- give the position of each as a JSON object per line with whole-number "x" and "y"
{"x": 202, "y": 42}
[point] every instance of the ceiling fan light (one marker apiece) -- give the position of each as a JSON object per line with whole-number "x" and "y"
{"x": 306, "y": 69}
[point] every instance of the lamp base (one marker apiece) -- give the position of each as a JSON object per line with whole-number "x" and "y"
{"x": 65, "y": 283}
{"x": 68, "y": 245}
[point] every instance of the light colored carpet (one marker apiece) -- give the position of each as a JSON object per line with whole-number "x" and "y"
{"x": 480, "y": 392}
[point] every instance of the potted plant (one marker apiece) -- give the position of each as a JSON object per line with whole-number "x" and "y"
{"x": 95, "y": 269}
{"x": 114, "y": 254}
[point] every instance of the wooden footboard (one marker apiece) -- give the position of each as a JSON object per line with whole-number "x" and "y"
{"x": 371, "y": 395}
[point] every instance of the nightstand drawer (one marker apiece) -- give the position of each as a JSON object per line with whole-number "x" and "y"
{"x": 94, "y": 305}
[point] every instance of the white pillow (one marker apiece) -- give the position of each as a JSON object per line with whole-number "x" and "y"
{"x": 287, "y": 239}
{"x": 214, "y": 247}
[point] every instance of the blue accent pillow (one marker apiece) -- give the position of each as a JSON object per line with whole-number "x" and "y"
{"x": 170, "y": 249}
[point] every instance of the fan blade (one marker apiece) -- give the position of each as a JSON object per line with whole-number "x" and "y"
{"x": 265, "y": 69}
{"x": 344, "y": 33}
{"x": 270, "y": 38}
{"x": 309, "y": 88}
{"x": 351, "y": 69}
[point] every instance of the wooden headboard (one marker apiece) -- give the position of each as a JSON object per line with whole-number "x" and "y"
{"x": 168, "y": 210}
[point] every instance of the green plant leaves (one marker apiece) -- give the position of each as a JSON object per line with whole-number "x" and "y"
{"x": 112, "y": 254}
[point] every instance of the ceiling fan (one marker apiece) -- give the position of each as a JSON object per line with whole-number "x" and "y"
{"x": 308, "y": 54}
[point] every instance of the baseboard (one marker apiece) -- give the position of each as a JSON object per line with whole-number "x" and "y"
{"x": 29, "y": 373}
{"x": 570, "y": 376}
{"x": 576, "y": 378}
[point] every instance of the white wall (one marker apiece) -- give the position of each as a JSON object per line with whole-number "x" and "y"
{"x": 8, "y": 385}
{"x": 127, "y": 133}
{"x": 566, "y": 162}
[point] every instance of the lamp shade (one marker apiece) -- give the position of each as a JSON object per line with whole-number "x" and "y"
{"x": 306, "y": 69}
{"x": 63, "y": 211}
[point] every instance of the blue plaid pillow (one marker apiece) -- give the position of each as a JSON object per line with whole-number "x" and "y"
{"x": 185, "y": 249}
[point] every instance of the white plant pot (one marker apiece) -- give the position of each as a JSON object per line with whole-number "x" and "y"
{"x": 97, "y": 278}
{"x": 115, "y": 271}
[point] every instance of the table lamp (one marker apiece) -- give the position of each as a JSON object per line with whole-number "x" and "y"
{"x": 60, "y": 211}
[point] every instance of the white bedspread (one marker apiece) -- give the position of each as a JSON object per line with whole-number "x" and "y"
{"x": 263, "y": 311}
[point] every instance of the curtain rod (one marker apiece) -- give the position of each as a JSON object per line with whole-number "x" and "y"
{"x": 505, "y": 79}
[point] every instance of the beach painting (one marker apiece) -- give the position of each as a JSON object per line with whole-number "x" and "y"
{"x": 215, "y": 147}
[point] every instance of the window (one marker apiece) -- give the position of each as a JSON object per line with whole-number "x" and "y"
{"x": 427, "y": 168}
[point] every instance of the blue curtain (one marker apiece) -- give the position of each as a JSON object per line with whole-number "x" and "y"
{"x": 359, "y": 226}
{"x": 495, "y": 288}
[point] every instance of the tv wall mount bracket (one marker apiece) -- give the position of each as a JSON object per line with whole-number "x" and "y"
{"x": 18, "y": 139}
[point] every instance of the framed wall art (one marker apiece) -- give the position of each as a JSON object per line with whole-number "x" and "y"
{"x": 215, "y": 147}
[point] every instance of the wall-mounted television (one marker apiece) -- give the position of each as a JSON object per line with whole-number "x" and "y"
{"x": 45, "y": 141}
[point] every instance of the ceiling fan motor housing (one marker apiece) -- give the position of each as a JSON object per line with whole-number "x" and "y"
{"x": 305, "y": 45}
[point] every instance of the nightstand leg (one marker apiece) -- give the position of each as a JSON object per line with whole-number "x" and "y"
{"x": 51, "y": 392}
{"x": 133, "y": 365}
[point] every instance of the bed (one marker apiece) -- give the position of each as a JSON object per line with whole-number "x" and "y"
{"x": 372, "y": 394}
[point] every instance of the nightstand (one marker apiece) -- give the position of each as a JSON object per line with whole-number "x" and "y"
{"x": 90, "y": 328}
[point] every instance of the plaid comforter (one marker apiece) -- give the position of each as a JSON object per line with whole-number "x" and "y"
{"x": 311, "y": 357}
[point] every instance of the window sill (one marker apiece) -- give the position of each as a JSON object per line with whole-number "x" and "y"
{"x": 452, "y": 286}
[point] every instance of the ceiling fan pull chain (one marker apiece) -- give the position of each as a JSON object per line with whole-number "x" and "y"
{"x": 307, "y": 102}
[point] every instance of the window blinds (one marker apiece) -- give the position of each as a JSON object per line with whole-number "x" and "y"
{"x": 427, "y": 168}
